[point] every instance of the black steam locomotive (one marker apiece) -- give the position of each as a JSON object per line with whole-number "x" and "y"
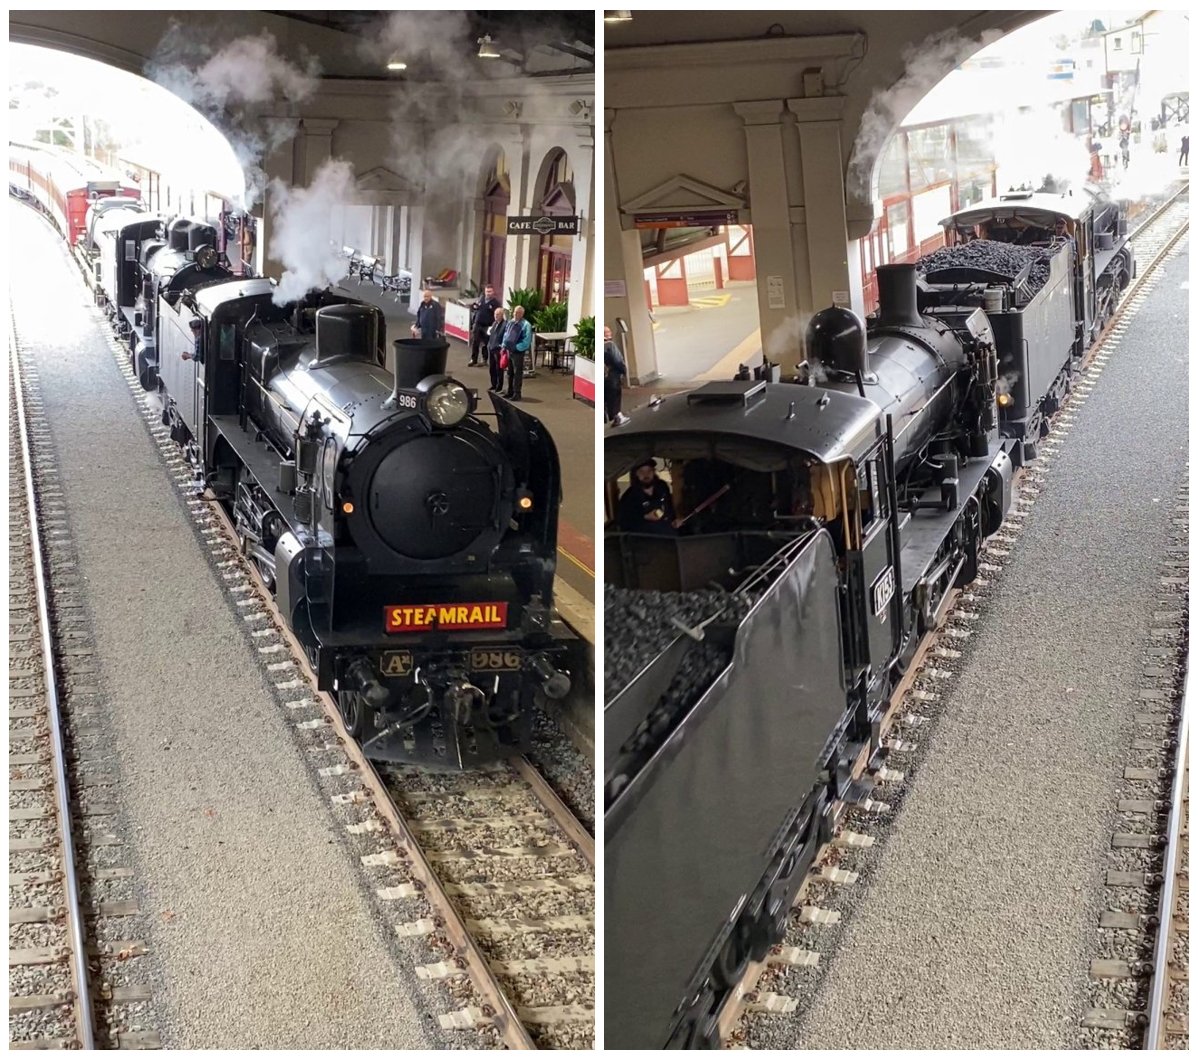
{"x": 410, "y": 544}
{"x": 751, "y": 655}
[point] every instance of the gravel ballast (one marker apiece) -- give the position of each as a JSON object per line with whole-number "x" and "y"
{"x": 263, "y": 933}
{"x": 976, "y": 923}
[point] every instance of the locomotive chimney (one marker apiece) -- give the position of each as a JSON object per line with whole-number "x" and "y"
{"x": 897, "y": 304}
{"x": 414, "y": 360}
{"x": 177, "y": 234}
{"x": 417, "y": 358}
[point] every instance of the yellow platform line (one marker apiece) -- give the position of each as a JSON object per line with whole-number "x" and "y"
{"x": 726, "y": 367}
{"x": 574, "y": 560}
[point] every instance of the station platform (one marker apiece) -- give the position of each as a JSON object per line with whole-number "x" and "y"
{"x": 548, "y": 395}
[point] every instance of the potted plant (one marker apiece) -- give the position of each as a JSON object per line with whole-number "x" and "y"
{"x": 551, "y": 318}
{"x": 584, "y": 360}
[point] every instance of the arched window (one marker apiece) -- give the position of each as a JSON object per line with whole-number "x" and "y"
{"x": 557, "y": 199}
{"x": 496, "y": 196}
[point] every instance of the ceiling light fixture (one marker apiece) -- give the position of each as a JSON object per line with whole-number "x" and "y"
{"x": 486, "y": 49}
{"x": 617, "y": 16}
{"x": 396, "y": 64}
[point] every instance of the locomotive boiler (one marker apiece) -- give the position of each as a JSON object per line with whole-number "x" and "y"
{"x": 752, "y": 655}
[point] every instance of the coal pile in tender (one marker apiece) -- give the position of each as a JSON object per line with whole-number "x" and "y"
{"x": 1005, "y": 259}
{"x": 637, "y": 629}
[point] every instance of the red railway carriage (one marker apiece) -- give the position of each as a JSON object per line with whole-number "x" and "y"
{"x": 63, "y": 183}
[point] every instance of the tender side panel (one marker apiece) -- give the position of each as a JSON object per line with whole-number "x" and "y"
{"x": 693, "y": 834}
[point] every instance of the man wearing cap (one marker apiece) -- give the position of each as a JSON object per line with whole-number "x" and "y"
{"x": 196, "y": 353}
{"x": 646, "y": 507}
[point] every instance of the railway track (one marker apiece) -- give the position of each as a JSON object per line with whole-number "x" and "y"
{"x": 1168, "y": 1006}
{"x": 1155, "y": 237}
{"x": 497, "y": 868}
{"x": 75, "y": 981}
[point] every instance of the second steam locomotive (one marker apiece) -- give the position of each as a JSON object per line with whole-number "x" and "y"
{"x": 751, "y": 655}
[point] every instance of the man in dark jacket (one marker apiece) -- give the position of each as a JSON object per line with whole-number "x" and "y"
{"x": 646, "y": 507}
{"x": 517, "y": 341}
{"x": 614, "y": 373}
{"x": 482, "y": 316}
{"x": 430, "y": 318}
{"x": 495, "y": 348}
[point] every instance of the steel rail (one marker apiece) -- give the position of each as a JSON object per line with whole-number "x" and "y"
{"x": 74, "y": 917}
{"x": 497, "y": 1006}
{"x": 729, "y": 1013}
{"x": 1183, "y": 190}
{"x": 1159, "y": 996}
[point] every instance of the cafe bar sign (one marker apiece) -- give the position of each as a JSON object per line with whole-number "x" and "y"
{"x": 544, "y": 225}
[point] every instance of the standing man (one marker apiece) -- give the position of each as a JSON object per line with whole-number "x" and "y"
{"x": 517, "y": 340}
{"x": 614, "y": 373}
{"x": 482, "y": 316}
{"x": 1183, "y": 159}
{"x": 430, "y": 318}
{"x": 495, "y": 348}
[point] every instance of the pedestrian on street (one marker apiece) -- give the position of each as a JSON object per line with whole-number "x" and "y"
{"x": 495, "y": 348}
{"x": 1183, "y": 159}
{"x": 615, "y": 371}
{"x": 430, "y": 318}
{"x": 517, "y": 341}
{"x": 482, "y": 316}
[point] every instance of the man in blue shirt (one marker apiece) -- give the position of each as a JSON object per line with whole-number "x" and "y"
{"x": 517, "y": 339}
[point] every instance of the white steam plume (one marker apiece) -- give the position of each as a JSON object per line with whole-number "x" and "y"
{"x": 927, "y": 63}
{"x": 302, "y": 235}
{"x": 1032, "y": 150}
{"x": 224, "y": 83}
{"x": 785, "y": 344}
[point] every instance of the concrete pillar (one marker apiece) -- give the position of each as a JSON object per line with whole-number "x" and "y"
{"x": 624, "y": 291}
{"x": 472, "y": 258}
{"x": 831, "y": 280}
{"x": 316, "y": 143}
{"x": 402, "y": 228}
{"x": 515, "y": 251}
{"x": 588, "y": 233}
{"x": 582, "y": 160}
{"x": 278, "y": 165}
{"x": 777, "y": 295}
{"x": 415, "y": 253}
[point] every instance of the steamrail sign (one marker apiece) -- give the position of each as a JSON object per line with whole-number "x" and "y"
{"x": 544, "y": 225}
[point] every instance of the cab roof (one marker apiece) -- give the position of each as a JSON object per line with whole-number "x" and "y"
{"x": 1037, "y": 208}
{"x": 751, "y": 422}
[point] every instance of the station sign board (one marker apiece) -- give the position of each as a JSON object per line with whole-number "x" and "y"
{"x": 697, "y": 219}
{"x": 543, "y": 225}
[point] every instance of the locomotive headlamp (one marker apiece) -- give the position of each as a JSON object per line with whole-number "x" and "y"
{"x": 448, "y": 403}
{"x": 524, "y": 500}
{"x": 1004, "y": 400}
{"x": 347, "y": 507}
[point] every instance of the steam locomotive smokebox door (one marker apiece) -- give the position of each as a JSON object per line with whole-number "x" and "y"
{"x": 417, "y": 358}
{"x": 431, "y": 497}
